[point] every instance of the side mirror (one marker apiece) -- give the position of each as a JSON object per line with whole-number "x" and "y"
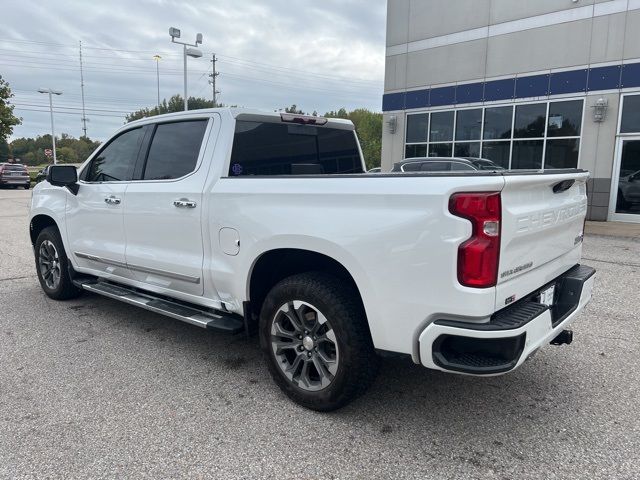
{"x": 64, "y": 176}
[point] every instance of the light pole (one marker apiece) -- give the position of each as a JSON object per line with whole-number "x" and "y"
{"x": 53, "y": 133}
{"x": 191, "y": 52}
{"x": 157, "y": 58}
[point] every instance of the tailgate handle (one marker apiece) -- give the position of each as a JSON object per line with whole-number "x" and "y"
{"x": 563, "y": 186}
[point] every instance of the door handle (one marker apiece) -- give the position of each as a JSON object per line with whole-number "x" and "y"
{"x": 112, "y": 200}
{"x": 184, "y": 203}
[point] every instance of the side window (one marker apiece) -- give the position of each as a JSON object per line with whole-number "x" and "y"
{"x": 174, "y": 150}
{"x": 411, "y": 167}
{"x": 435, "y": 166}
{"x": 115, "y": 162}
{"x": 459, "y": 166}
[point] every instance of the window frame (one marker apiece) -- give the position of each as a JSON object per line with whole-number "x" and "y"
{"x": 512, "y": 138}
{"x": 141, "y": 165}
{"x": 83, "y": 173}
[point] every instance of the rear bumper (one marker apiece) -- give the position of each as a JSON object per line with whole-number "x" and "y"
{"x": 14, "y": 180}
{"x": 512, "y": 335}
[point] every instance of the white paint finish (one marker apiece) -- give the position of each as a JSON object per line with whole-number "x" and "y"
{"x": 166, "y": 238}
{"x": 95, "y": 227}
{"x": 522, "y": 24}
{"x": 393, "y": 234}
{"x": 229, "y": 241}
{"x": 539, "y": 332}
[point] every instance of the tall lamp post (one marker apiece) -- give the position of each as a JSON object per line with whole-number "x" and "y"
{"x": 186, "y": 52}
{"x": 157, "y": 58}
{"x": 51, "y": 92}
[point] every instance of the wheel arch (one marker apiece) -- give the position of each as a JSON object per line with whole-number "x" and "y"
{"x": 276, "y": 264}
{"x": 38, "y": 223}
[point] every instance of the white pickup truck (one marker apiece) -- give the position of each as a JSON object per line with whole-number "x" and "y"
{"x": 243, "y": 221}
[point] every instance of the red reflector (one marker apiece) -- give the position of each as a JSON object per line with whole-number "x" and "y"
{"x": 303, "y": 119}
{"x": 478, "y": 256}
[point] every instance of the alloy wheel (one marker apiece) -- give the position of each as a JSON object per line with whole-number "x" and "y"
{"x": 49, "y": 264}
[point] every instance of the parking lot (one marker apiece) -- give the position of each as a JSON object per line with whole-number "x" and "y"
{"x": 95, "y": 388}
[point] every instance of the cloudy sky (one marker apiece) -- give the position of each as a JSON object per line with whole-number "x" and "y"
{"x": 320, "y": 55}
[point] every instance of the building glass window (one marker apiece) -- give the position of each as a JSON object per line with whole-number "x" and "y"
{"x": 497, "y": 123}
{"x": 530, "y": 121}
{"x": 525, "y": 136}
{"x": 527, "y": 154}
{"x": 565, "y": 119}
{"x": 415, "y": 151}
{"x": 440, "y": 150}
{"x": 417, "y": 128}
{"x": 630, "y": 114}
{"x": 497, "y": 152}
{"x": 467, "y": 149}
{"x": 468, "y": 124}
{"x": 441, "y": 127}
{"x": 562, "y": 153}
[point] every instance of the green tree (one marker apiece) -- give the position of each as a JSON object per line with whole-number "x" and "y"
{"x": 369, "y": 128}
{"x": 5, "y": 151}
{"x": 175, "y": 104}
{"x": 7, "y": 119}
{"x": 69, "y": 149}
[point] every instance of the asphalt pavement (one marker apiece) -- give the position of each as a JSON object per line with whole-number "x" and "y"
{"x": 93, "y": 388}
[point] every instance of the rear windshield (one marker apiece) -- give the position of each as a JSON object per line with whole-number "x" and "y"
{"x": 14, "y": 168}
{"x": 289, "y": 149}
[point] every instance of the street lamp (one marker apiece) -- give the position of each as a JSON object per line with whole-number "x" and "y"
{"x": 157, "y": 58}
{"x": 53, "y": 133}
{"x": 191, "y": 52}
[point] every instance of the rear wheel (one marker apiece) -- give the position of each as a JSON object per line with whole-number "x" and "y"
{"x": 53, "y": 267}
{"x": 315, "y": 337}
{"x": 26, "y": 187}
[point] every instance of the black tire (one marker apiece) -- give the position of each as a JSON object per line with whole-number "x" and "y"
{"x": 339, "y": 303}
{"x": 26, "y": 187}
{"x": 64, "y": 289}
{"x": 622, "y": 204}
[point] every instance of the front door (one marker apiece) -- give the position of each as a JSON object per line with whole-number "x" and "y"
{"x": 625, "y": 196}
{"x": 163, "y": 210}
{"x": 94, "y": 217}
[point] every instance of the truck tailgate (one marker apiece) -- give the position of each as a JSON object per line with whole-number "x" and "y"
{"x": 542, "y": 227}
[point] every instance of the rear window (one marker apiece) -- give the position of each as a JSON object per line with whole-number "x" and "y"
{"x": 14, "y": 168}
{"x": 289, "y": 149}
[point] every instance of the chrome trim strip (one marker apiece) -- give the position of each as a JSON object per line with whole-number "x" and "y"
{"x": 153, "y": 271}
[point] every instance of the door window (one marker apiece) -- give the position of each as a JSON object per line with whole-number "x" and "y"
{"x": 174, "y": 150}
{"x": 116, "y": 161}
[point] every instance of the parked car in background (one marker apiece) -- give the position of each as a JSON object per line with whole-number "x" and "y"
{"x": 14, "y": 175}
{"x": 42, "y": 174}
{"x": 375, "y": 170}
{"x": 445, "y": 164}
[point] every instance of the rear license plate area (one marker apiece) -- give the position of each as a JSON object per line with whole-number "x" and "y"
{"x": 547, "y": 296}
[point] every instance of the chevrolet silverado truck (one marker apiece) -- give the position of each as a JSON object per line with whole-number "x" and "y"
{"x": 242, "y": 221}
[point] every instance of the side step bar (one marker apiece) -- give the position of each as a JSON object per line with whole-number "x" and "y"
{"x": 219, "y": 321}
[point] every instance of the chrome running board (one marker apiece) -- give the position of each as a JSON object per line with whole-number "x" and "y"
{"x": 220, "y": 321}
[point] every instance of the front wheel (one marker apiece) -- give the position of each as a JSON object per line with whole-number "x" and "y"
{"x": 315, "y": 338}
{"x": 53, "y": 267}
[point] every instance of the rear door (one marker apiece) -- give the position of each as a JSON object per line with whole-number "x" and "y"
{"x": 542, "y": 227}
{"x": 163, "y": 210}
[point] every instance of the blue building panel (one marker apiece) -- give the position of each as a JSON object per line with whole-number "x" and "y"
{"x": 393, "y": 101}
{"x": 470, "y": 93}
{"x": 630, "y": 75}
{"x": 499, "y": 89}
{"x": 573, "y": 81}
{"x": 532, "y": 86}
{"x": 417, "y": 99}
{"x": 604, "y": 78}
{"x": 443, "y": 96}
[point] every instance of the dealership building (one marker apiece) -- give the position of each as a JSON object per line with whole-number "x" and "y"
{"x": 526, "y": 84}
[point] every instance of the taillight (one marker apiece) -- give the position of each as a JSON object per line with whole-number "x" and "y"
{"x": 478, "y": 256}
